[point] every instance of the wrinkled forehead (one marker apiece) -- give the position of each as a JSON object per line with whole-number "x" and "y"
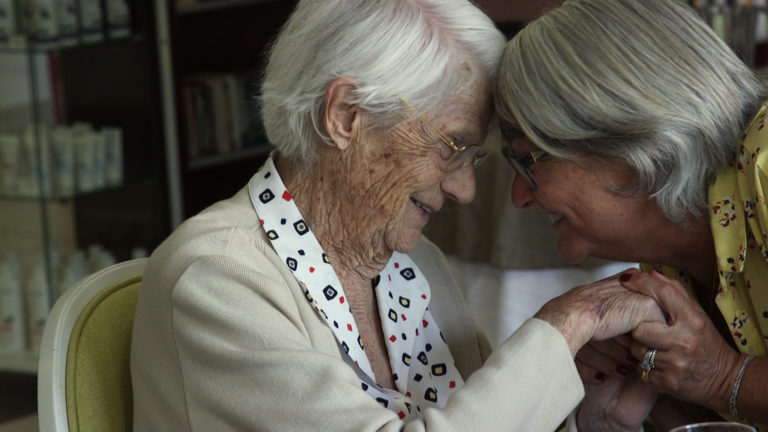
{"x": 471, "y": 94}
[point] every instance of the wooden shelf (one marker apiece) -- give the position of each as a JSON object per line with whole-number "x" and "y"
{"x": 212, "y": 5}
{"x": 226, "y": 158}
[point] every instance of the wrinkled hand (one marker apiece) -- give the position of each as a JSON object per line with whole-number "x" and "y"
{"x": 600, "y": 311}
{"x": 616, "y": 399}
{"x": 616, "y": 404}
{"x": 693, "y": 361}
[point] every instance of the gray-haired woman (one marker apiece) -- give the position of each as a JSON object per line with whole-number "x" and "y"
{"x": 637, "y": 128}
{"x": 309, "y": 301}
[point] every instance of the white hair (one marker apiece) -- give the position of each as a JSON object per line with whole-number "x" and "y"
{"x": 391, "y": 49}
{"x": 644, "y": 82}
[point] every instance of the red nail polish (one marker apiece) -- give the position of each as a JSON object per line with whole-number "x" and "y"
{"x": 625, "y": 277}
{"x": 622, "y": 370}
{"x": 600, "y": 376}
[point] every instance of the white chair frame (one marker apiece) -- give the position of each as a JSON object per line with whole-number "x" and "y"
{"x": 52, "y": 365}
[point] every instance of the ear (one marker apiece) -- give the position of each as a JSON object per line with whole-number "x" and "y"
{"x": 342, "y": 119}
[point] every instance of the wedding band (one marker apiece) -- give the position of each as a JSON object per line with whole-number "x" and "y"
{"x": 644, "y": 375}
{"x": 649, "y": 359}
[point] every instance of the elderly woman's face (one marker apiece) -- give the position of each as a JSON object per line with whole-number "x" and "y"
{"x": 589, "y": 217}
{"x": 407, "y": 176}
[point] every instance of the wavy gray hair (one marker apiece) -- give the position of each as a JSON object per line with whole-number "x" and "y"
{"x": 645, "y": 82}
{"x": 390, "y": 48}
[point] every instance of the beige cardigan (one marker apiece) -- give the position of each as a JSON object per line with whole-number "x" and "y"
{"x": 224, "y": 340}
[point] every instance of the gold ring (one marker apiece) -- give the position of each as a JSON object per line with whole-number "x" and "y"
{"x": 644, "y": 375}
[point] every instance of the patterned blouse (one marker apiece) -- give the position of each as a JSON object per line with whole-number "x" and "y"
{"x": 421, "y": 362}
{"x": 739, "y": 223}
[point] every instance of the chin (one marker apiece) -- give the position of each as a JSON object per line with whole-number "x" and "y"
{"x": 406, "y": 243}
{"x": 572, "y": 255}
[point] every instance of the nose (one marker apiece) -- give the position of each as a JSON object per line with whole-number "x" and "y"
{"x": 460, "y": 185}
{"x": 522, "y": 192}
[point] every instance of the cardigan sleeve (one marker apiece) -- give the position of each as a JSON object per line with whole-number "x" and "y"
{"x": 252, "y": 357}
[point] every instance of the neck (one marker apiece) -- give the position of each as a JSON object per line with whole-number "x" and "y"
{"x": 692, "y": 250}
{"x": 319, "y": 190}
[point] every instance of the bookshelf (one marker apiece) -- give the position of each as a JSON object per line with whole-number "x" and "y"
{"x": 217, "y": 54}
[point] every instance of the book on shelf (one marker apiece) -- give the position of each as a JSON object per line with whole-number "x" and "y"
{"x": 221, "y": 114}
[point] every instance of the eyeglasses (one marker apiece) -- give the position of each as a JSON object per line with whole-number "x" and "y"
{"x": 454, "y": 156}
{"x": 522, "y": 163}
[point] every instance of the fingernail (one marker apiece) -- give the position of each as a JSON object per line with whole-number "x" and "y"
{"x": 625, "y": 277}
{"x": 600, "y": 376}
{"x": 622, "y": 370}
{"x": 632, "y": 359}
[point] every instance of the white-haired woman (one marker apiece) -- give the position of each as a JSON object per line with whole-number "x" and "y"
{"x": 637, "y": 128}
{"x": 309, "y": 301}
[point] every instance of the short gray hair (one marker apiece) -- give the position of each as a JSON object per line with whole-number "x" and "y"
{"x": 645, "y": 82}
{"x": 391, "y": 48}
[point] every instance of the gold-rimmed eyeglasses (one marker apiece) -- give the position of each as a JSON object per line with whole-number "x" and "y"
{"x": 454, "y": 156}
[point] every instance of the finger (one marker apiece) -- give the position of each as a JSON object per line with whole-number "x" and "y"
{"x": 629, "y": 270}
{"x": 638, "y": 395}
{"x": 617, "y": 349}
{"x": 676, "y": 285}
{"x": 624, "y": 404}
{"x": 624, "y": 340}
{"x": 609, "y": 358}
{"x": 653, "y": 334}
{"x": 588, "y": 374}
{"x": 669, "y": 294}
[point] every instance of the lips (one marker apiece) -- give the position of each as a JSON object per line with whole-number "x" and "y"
{"x": 426, "y": 209}
{"x": 556, "y": 217}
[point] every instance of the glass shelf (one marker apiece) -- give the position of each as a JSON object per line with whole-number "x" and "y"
{"x": 20, "y": 44}
{"x": 65, "y": 198}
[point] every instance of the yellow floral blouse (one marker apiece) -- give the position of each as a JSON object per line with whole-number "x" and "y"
{"x": 739, "y": 223}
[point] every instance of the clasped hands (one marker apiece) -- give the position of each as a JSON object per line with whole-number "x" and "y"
{"x": 692, "y": 362}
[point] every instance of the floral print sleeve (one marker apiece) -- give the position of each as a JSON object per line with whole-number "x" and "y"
{"x": 739, "y": 224}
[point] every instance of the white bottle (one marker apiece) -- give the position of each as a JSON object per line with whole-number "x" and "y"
{"x": 11, "y": 306}
{"x": 118, "y": 18}
{"x": 7, "y": 22}
{"x": 66, "y": 18}
{"x": 99, "y": 160}
{"x": 10, "y": 146}
{"x": 91, "y": 21}
{"x": 113, "y": 165}
{"x": 38, "y": 301}
{"x": 63, "y": 166}
{"x": 85, "y": 157}
{"x": 42, "y": 15}
{"x": 75, "y": 269}
{"x": 99, "y": 258}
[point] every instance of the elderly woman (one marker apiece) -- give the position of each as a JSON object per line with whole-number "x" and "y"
{"x": 309, "y": 301}
{"x": 640, "y": 132}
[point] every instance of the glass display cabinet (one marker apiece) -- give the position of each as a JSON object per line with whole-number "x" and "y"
{"x": 83, "y": 167}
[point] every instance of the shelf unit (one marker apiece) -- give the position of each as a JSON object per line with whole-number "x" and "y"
{"x": 212, "y": 40}
{"x": 111, "y": 83}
